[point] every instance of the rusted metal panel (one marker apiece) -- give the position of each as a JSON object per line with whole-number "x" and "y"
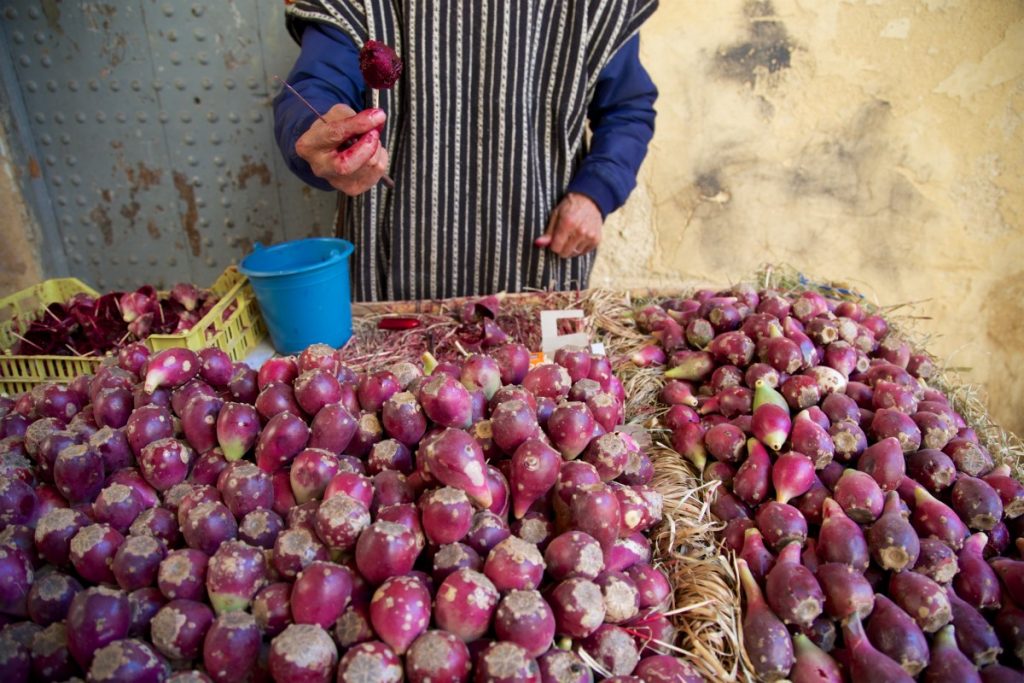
{"x": 153, "y": 127}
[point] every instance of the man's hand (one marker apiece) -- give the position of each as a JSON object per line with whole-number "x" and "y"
{"x": 353, "y": 169}
{"x": 574, "y": 227}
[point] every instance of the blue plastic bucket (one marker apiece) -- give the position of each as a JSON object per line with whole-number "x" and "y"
{"x": 303, "y": 290}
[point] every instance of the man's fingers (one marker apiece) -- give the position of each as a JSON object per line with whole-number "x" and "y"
{"x": 574, "y": 227}
{"x": 575, "y": 248}
{"x": 341, "y": 129}
{"x": 379, "y": 161}
{"x": 545, "y": 239}
{"x": 339, "y": 111}
{"x": 351, "y": 159}
{"x": 560, "y": 238}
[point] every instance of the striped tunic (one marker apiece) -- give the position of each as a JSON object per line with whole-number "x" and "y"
{"x": 485, "y": 130}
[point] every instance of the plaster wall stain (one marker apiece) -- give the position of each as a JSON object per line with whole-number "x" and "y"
{"x": 766, "y": 49}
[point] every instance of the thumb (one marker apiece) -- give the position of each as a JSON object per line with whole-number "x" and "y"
{"x": 545, "y": 239}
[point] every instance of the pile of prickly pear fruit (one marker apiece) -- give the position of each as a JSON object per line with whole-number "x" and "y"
{"x": 182, "y": 517}
{"x": 877, "y": 538}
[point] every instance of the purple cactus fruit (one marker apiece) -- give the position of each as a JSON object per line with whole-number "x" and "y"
{"x": 97, "y": 617}
{"x": 179, "y": 628}
{"x": 171, "y": 368}
{"x": 280, "y": 441}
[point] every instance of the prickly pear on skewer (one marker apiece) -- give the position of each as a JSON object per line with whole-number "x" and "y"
{"x": 380, "y": 65}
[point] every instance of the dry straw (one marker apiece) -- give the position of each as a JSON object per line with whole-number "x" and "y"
{"x": 705, "y": 602}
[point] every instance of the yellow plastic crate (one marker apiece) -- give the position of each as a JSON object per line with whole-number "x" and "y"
{"x": 21, "y": 373}
{"x": 237, "y": 334}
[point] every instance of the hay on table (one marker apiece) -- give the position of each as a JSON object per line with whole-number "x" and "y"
{"x": 705, "y": 599}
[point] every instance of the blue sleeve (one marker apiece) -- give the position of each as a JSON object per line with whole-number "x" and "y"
{"x": 326, "y": 73}
{"x": 621, "y": 116}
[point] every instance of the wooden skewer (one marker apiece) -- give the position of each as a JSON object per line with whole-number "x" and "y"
{"x": 386, "y": 179}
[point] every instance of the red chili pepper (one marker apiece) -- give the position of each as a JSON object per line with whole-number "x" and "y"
{"x": 398, "y": 323}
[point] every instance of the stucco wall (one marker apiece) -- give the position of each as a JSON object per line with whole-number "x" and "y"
{"x": 879, "y": 143}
